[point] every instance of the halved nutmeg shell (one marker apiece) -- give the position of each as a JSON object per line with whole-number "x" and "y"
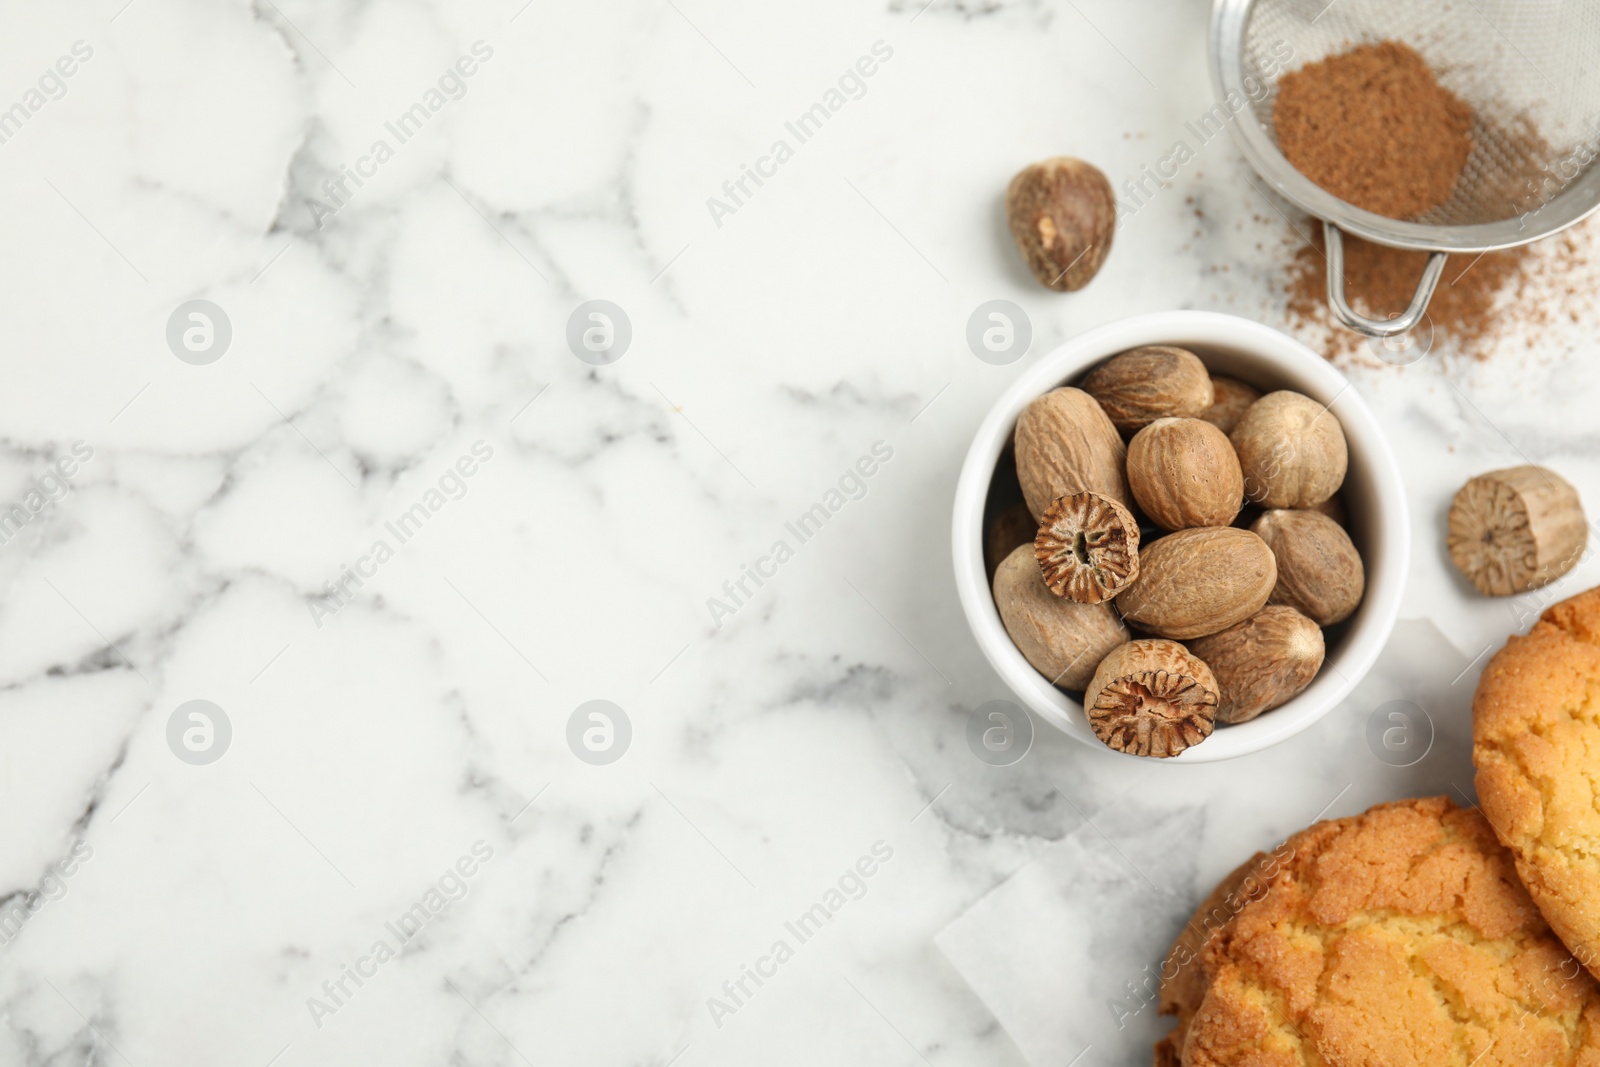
{"x": 1516, "y": 529}
{"x": 1088, "y": 548}
{"x": 1151, "y": 698}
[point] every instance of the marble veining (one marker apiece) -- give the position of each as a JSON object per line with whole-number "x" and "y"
{"x": 392, "y": 716}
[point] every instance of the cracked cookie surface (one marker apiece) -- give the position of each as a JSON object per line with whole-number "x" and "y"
{"x": 1184, "y": 980}
{"x": 1399, "y": 936}
{"x": 1536, "y": 744}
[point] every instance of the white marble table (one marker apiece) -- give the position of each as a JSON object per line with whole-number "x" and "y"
{"x": 397, "y": 532}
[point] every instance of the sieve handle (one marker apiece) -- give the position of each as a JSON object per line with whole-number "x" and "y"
{"x": 1348, "y": 315}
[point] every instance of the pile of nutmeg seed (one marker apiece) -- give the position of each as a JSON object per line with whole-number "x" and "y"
{"x": 1178, "y": 547}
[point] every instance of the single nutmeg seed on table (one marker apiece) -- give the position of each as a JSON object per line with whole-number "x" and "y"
{"x": 1062, "y": 639}
{"x": 1197, "y": 582}
{"x": 1154, "y": 382}
{"x": 1088, "y": 548}
{"x": 1183, "y": 473}
{"x": 1292, "y": 451}
{"x": 1233, "y": 398}
{"x": 1319, "y": 570}
{"x": 1516, "y": 529}
{"x": 1065, "y": 445}
{"x": 1062, "y": 214}
{"x": 1151, "y": 698}
{"x": 1262, "y": 662}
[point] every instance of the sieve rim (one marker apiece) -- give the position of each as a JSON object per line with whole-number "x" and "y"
{"x": 1578, "y": 200}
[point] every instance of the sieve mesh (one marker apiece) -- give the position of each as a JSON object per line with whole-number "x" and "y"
{"x": 1529, "y": 69}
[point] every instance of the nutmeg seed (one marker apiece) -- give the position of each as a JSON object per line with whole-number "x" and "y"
{"x": 1151, "y": 698}
{"x": 1198, "y": 581}
{"x": 1262, "y": 662}
{"x": 1333, "y": 507}
{"x": 1319, "y": 570}
{"x": 1066, "y": 445}
{"x": 1088, "y": 548}
{"x": 1145, "y": 384}
{"x": 1516, "y": 529}
{"x": 1062, "y": 214}
{"x": 1062, "y": 639}
{"x": 1233, "y": 399}
{"x": 1292, "y": 451}
{"x": 1183, "y": 473}
{"x": 1008, "y": 528}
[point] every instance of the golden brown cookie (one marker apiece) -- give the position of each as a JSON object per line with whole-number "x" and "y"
{"x": 1183, "y": 977}
{"x": 1396, "y": 937}
{"x": 1536, "y": 744}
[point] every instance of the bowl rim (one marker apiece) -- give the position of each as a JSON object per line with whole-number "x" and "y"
{"x": 1390, "y": 524}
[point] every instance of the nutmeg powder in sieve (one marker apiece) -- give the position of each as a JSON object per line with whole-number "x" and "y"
{"x": 1374, "y": 127}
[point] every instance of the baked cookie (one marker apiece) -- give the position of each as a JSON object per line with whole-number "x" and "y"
{"x": 1396, "y": 937}
{"x": 1536, "y": 744}
{"x": 1183, "y": 977}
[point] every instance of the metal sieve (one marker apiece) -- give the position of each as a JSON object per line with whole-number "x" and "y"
{"x": 1520, "y": 64}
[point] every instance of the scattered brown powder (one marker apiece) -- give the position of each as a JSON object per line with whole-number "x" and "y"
{"x": 1380, "y": 281}
{"x": 1374, "y": 127}
{"x": 1481, "y": 303}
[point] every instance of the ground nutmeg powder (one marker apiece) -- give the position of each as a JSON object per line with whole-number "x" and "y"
{"x": 1374, "y": 127}
{"x": 1381, "y": 281}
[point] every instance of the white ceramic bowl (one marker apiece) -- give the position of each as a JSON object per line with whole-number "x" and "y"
{"x": 1373, "y": 494}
